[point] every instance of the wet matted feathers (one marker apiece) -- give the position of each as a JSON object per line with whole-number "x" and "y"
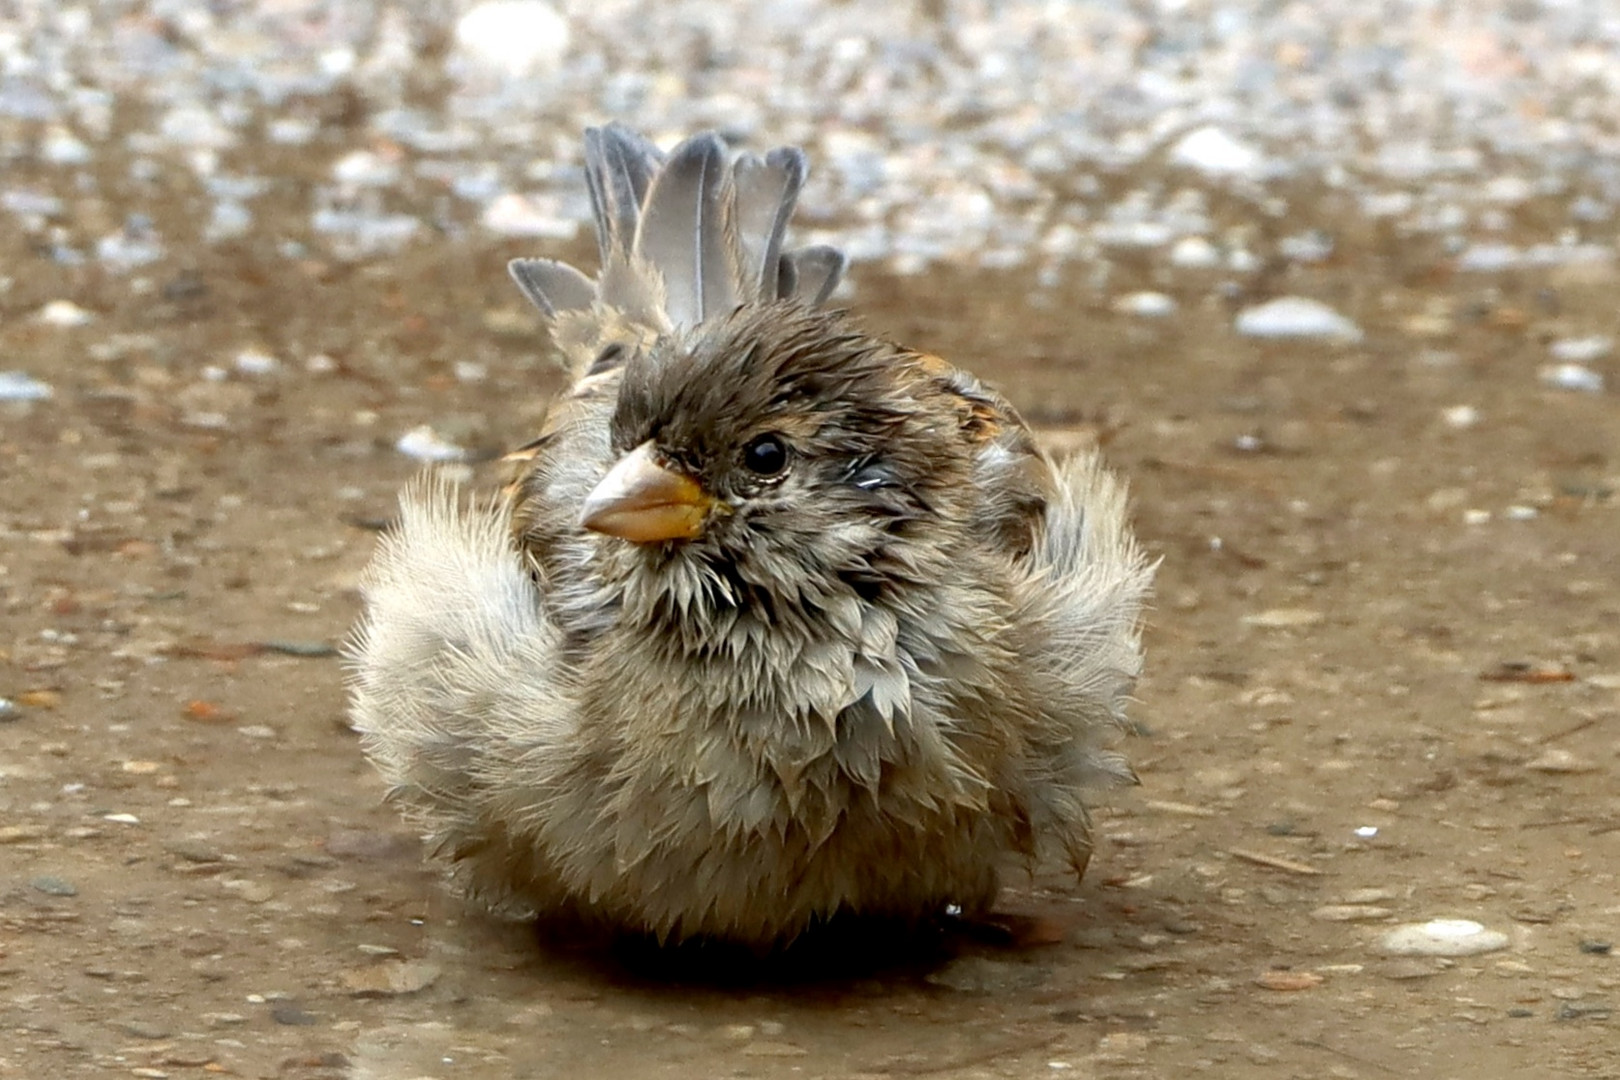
{"x": 778, "y": 621}
{"x": 686, "y": 237}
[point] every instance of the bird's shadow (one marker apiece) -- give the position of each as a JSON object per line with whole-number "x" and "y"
{"x": 836, "y": 953}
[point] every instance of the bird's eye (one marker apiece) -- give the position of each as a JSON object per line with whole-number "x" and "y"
{"x": 766, "y": 455}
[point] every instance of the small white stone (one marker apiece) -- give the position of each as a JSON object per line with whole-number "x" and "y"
{"x": 517, "y": 37}
{"x": 512, "y": 214}
{"x": 64, "y": 313}
{"x": 1554, "y": 760}
{"x": 21, "y": 386}
{"x": 1460, "y": 416}
{"x": 1581, "y": 350}
{"x": 1572, "y": 377}
{"x": 1283, "y": 618}
{"x": 1215, "y": 153}
{"x": 1518, "y": 512}
{"x": 1243, "y": 261}
{"x": 1489, "y": 258}
{"x": 1476, "y": 517}
{"x": 61, "y": 147}
{"x": 1194, "y": 253}
{"x": 1148, "y": 305}
{"x": 1296, "y": 317}
{"x": 363, "y": 168}
{"x": 424, "y": 444}
{"x": 1442, "y": 937}
{"x": 255, "y": 362}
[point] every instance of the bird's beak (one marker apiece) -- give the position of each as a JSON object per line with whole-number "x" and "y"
{"x": 645, "y": 502}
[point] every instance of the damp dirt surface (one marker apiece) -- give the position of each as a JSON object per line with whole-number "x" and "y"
{"x": 1383, "y": 660}
{"x": 1381, "y": 688}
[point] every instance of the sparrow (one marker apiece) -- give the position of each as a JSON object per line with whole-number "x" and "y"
{"x": 778, "y": 621}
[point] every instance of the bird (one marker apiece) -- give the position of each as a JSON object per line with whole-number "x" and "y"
{"x": 776, "y": 622}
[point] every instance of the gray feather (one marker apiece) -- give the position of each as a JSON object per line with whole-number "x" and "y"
{"x": 552, "y": 286}
{"x": 681, "y": 232}
{"x": 619, "y": 168}
{"x": 810, "y": 274}
{"x": 764, "y": 192}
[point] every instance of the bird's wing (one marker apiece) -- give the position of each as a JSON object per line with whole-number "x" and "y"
{"x": 1012, "y": 474}
{"x": 455, "y": 645}
{"x": 554, "y": 472}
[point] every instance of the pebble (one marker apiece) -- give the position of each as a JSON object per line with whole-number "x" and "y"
{"x": 1369, "y": 896}
{"x": 54, "y": 886}
{"x": 254, "y": 892}
{"x": 512, "y": 214}
{"x": 1283, "y": 618}
{"x": 390, "y": 979}
{"x": 1460, "y": 416}
{"x": 424, "y": 444}
{"x": 1583, "y": 1010}
{"x": 1213, "y": 152}
{"x": 1147, "y": 305}
{"x": 290, "y": 1015}
{"x": 1442, "y": 937}
{"x": 1194, "y": 253}
{"x": 1555, "y": 760}
{"x": 516, "y": 37}
{"x": 1351, "y": 913}
{"x": 194, "y": 851}
{"x": 1288, "y": 981}
{"x": 255, "y": 362}
{"x": 1296, "y": 317}
{"x": 1122, "y": 1046}
{"x": 1582, "y": 350}
{"x": 1577, "y": 377}
{"x": 9, "y": 710}
{"x": 1404, "y": 970}
{"x": 65, "y": 313}
{"x": 20, "y": 386}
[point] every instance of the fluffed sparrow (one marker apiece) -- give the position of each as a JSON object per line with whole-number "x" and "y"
{"x": 779, "y": 620}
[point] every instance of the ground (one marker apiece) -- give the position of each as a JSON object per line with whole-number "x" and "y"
{"x": 1383, "y": 657}
{"x": 199, "y": 872}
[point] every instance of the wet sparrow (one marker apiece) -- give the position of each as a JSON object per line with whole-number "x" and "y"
{"x": 779, "y": 620}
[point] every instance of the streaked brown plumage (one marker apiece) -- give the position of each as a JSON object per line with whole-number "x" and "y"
{"x": 778, "y": 620}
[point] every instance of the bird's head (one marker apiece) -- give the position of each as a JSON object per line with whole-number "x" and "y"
{"x": 782, "y": 451}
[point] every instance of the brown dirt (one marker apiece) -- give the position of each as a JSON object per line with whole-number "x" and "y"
{"x": 1325, "y": 623}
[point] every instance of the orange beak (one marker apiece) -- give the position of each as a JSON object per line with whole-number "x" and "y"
{"x": 644, "y": 502}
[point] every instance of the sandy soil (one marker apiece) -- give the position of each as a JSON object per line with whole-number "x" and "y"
{"x": 1381, "y": 688}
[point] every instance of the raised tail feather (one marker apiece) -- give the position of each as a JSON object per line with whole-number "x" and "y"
{"x": 685, "y": 237}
